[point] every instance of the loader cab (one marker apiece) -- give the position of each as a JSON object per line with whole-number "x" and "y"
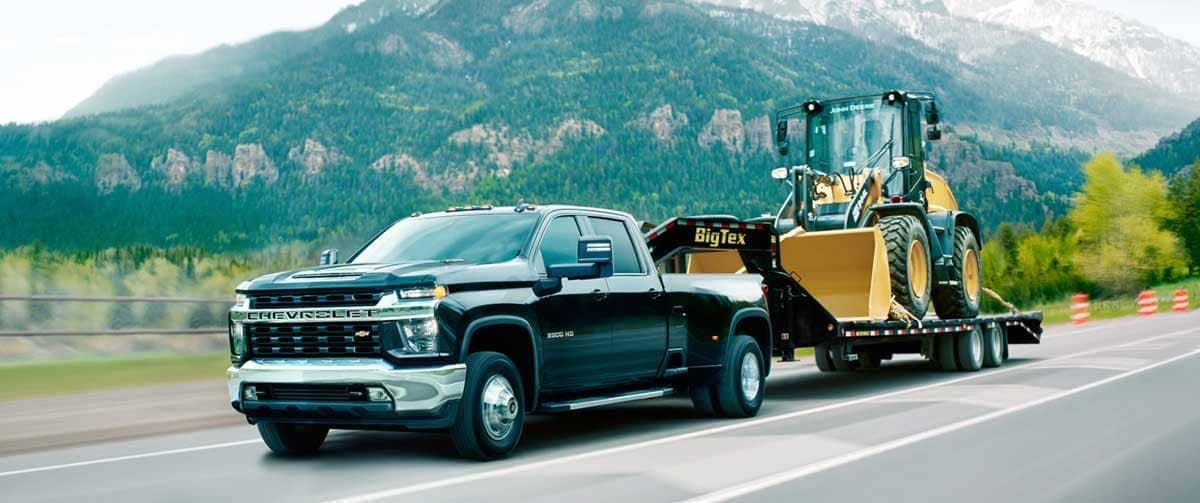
{"x": 856, "y": 152}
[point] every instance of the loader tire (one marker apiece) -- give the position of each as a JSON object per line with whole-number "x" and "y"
{"x": 909, "y": 262}
{"x": 961, "y": 298}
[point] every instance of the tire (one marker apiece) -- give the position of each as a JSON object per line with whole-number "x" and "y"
{"x": 823, "y": 359}
{"x": 292, "y": 439}
{"x": 905, "y": 238}
{"x": 491, "y": 413}
{"x": 961, "y": 299}
{"x": 970, "y": 349}
{"x": 740, "y": 387}
{"x": 703, "y": 400}
{"x": 947, "y": 357}
{"x": 1005, "y": 332}
{"x": 869, "y": 360}
{"x": 993, "y": 345}
{"x": 837, "y": 353}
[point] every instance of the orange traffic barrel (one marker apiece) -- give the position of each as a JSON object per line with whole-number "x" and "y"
{"x": 1147, "y": 303}
{"x": 1080, "y": 309}
{"x": 1180, "y": 304}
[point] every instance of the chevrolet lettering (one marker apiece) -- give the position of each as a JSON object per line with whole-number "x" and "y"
{"x": 322, "y": 314}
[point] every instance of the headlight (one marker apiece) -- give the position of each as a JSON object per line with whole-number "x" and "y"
{"x": 242, "y": 301}
{"x": 237, "y": 341}
{"x": 419, "y": 335}
{"x": 434, "y": 292}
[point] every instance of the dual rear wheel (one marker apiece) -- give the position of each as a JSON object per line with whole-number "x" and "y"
{"x": 983, "y": 346}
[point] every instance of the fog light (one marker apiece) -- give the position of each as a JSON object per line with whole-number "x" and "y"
{"x": 378, "y": 394}
{"x": 250, "y": 393}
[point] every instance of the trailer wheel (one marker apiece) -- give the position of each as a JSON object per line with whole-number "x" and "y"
{"x": 292, "y": 439}
{"x": 491, "y": 414}
{"x": 742, "y": 381}
{"x": 993, "y": 345}
{"x": 970, "y": 349}
{"x": 838, "y": 354}
{"x": 823, "y": 359}
{"x": 908, "y": 262}
{"x": 960, "y": 299}
{"x": 947, "y": 357}
{"x": 1005, "y": 332}
{"x": 869, "y": 360}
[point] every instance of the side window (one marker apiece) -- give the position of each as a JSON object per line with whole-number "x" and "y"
{"x": 560, "y": 244}
{"x": 625, "y": 259}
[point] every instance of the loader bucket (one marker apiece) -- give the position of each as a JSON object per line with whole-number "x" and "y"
{"x": 717, "y": 262}
{"x": 847, "y": 270}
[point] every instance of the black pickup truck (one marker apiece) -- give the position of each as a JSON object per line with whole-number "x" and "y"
{"x": 466, "y": 320}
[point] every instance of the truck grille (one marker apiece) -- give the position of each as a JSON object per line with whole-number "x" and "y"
{"x": 312, "y": 392}
{"x": 315, "y": 300}
{"x": 324, "y": 340}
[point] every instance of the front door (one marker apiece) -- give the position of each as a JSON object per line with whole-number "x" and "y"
{"x": 577, "y": 345}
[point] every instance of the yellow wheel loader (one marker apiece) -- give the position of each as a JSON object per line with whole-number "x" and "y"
{"x": 866, "y": 223}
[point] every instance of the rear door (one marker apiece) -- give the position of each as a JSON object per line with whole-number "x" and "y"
{"x": 638, "y": 306}
{"x": 577, "y": 345}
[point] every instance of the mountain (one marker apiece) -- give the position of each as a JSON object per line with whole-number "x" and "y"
{"x": 179, "y": 75}
{"x": 1175, "y": 152}
{"x": 975, "y": 29}
{"x": 659, "y": 108}
{"x": 1125, "y": 45}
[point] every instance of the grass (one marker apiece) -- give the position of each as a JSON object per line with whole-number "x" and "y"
{"x": 22, "y": 380}
{"x": 1102, "y": 309}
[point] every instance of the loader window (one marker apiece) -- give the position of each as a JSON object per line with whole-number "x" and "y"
{"x": 847, "y": 133}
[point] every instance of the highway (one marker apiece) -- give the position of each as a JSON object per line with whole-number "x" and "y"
{"x": 1103, "y": 412}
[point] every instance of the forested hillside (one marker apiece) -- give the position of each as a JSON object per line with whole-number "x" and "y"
{"x": 1174, "y": 153}
{"x": 658, "y": 108}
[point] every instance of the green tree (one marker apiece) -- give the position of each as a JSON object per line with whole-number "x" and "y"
{"x": 1120, "y": 218}
{"x": 1185, "y": 198}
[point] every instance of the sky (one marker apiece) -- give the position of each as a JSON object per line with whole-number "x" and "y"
{"x": 55, "y": 53}
{"x": 1177, "y": 18}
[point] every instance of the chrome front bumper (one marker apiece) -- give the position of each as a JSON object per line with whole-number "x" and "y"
{"x": 422, "y": 391}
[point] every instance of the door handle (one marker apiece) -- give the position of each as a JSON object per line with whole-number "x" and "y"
{"x": 655, "y": 294}
{"x": 599, "y": 295}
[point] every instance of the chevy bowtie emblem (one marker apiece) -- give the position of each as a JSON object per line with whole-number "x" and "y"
{"x": 362, "y": 333}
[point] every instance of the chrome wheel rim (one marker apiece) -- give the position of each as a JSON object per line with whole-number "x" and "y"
{"x": 751, "y": 377}
{"x": 500, "y": 407}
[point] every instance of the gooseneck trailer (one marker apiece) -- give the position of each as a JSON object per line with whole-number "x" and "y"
{"x": 800, "y": 319}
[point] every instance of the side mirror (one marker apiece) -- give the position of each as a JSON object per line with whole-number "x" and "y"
{"x": 934, "y": 133}
{"x": 781, "y": 131}
{"x": 595, "y": 260}
{"x": 329, "y": 257}
{"x": 931, "y": 113}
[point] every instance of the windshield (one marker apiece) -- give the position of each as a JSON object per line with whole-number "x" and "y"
{"x": 478, "y": 238}
{"x": 846, "y": 134}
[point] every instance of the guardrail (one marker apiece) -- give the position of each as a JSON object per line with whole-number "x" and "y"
{"x": 113, "y": 331}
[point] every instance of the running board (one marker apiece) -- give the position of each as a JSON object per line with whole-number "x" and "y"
{"x": 597, "y": 401}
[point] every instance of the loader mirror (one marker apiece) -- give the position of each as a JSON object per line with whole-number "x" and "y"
{"x": 934, "y": 133}
{"x": 783, "y": 149}
{"x": 931, "y": 113}
{"x": 781, "y": 131}
{"x": 780, "y": 173}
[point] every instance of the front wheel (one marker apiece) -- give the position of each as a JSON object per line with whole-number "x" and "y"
{"x": 491, "y": 414}
{"x": 739, "y": 388}
{"x": 292, "y": 439}
{"x": 909, "y": 263}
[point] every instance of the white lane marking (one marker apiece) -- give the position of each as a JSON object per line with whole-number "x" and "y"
{"x": 809, "y": 469}
{"x": 129, "y": 457}
{"x": 647, "y": 443}
{"x": 472, "y": 477}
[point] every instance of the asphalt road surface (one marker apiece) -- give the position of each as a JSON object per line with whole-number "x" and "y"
{"x": 1105, "y": 412}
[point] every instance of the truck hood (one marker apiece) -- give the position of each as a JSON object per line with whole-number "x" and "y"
{"x": 393, "y": 275}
